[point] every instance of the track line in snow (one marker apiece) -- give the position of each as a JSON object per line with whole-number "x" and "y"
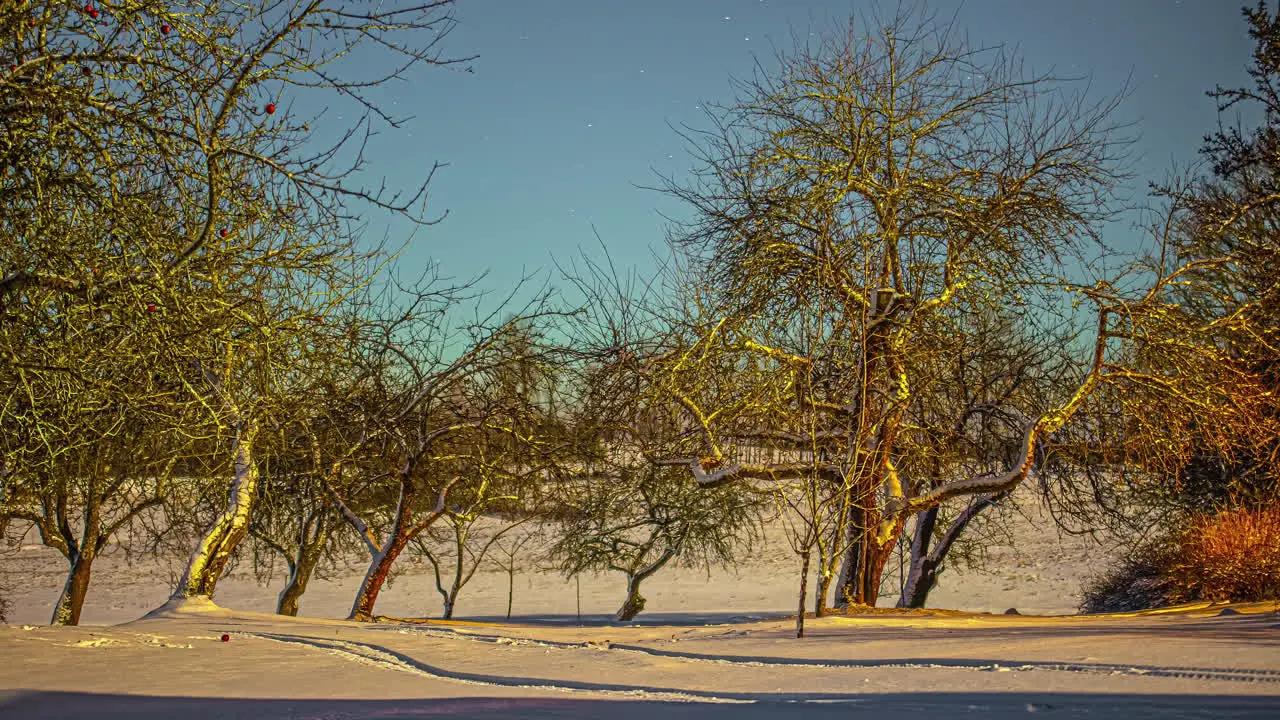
{"x": 385, "y": 658}
{"x": 1196, "y": 673}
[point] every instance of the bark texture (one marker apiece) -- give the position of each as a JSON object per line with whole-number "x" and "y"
{"x": 304, "y": 565}
{"x": 71, "y": 601}
{"x": 926, "y": 562}
{"x": 210, "y": 557}
{"x": 376, "y": 577}
{"x": 634, "y": 603}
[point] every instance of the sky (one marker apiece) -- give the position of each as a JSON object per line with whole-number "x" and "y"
{"x": 569, "y": 111}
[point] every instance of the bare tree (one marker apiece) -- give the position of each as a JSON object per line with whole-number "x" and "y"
{"x": 851, "y": 206}
{"x": 509, "y": 549}
{"x": 635, "y": 520}
{"x": 83, "y": 495}
{"x": 617, "y": 510}
{"x": 504, "y": 471}
{"x": 295, "y": 519}
{"x": 988, "y": 380}
{"x": 168, "y": 203}
{"x": 467, "y": 543}
{"x": 428, "y": 413}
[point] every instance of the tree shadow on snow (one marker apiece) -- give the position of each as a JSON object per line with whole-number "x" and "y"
{"x": 896, "y": 706}
{"x": 1257, "y": 628}
{"x": 675, "y": 619}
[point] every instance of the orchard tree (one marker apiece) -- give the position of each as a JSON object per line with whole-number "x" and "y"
{"x": 90, "y": 468}
{"x": 162, "y": 187}
{"x": 1235, "y": 212}
{"x": 295, "y": 519}
{"x": 92, "y": 427}
{"x": 429, "y": 412}
{"x": 635, "y": 520}
{"x": 504, "y": 470}
{"x": 851, "y": 207}
{"x": 986, "y": 380}
{"x": 615, "y": 509}
{"x": 102, "y": 101}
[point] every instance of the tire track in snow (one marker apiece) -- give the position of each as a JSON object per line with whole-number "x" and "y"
{"x": 385, "y": 658}
{"x": 1253, "y": 675}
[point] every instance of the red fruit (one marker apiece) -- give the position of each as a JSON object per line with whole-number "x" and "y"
{"x": 165, "y": 29}
{"x": 84, "y": 71}
{"x": 151, "y": 308}
{"x": 93, "y": 12}
{"x": 226, "y": 638}
{"x": 270, "y": 108}
{"x": 223, "y": 232}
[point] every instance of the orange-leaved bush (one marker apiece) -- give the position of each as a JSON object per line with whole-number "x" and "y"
{"x": 1234, "y": 555}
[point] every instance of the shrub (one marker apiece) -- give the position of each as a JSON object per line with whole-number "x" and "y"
{"x": 1231, "y": 556}
{"x": 1140, "y": 582}
{"x": 1234, "y": 555}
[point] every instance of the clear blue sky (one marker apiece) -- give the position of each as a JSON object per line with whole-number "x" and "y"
{"x": 571, "y": 103}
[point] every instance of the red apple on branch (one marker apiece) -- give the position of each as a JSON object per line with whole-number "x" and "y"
{"x": 270, "y": 108}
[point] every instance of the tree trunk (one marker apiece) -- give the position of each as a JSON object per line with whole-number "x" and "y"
{"x": 511, "y": 590}
{"x": 451, "y": 597}
{"x": 210, "y": 557}
{"x": 303, "y": 566}
{"x": 804, "y": 589}
{"x": 879, "y": 556}
{"x": 925, "y": 563}
{"x": 923, "y": 575}
{"x": 379, "y": 568}
{"x": 71, "y": 601}
{"x": 820, "y": 597}
{"x": 864, "y": 559}
{"x": 634, "y": 603}
{"x": 851, "y": 584}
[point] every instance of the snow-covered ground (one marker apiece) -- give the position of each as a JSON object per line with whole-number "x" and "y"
{"x": 175, "y": 665}
{"x": 708, "y": 646}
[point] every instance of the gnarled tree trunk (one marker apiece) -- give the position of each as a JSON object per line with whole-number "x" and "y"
{"x": 925, "y": 562}
{"x": 71, "y": 601}
{"x": 302, "y": 567}
{"x": 403, "y": 531}
{"x": 376, "y": 577}
{"x": 923, "y": 573}
{"x": 864, "y": 559}
{"x": 230, "y": 527}
{"x": 634, "y": 603}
